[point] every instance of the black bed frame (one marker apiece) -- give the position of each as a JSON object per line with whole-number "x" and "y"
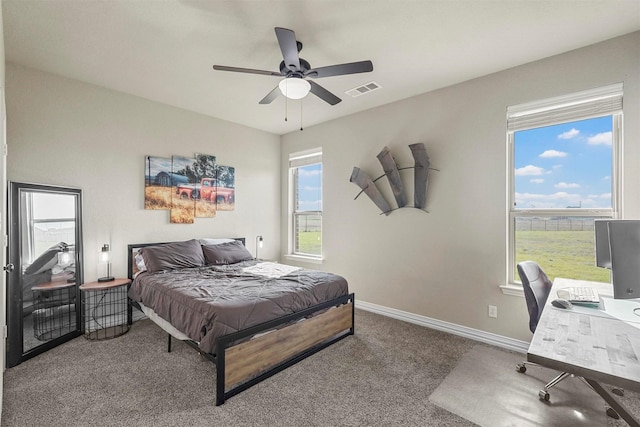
{"x": 225, "y": 342}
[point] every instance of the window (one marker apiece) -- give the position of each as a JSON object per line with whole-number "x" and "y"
{"x": 305, "y": 169}
{"x": 564, "y": 174}
{"x": 51, "y": 219}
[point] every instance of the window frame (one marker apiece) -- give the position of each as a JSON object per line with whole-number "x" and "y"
{"x": 30, "y": 225}
{"x": 600, "y": 102}
{"x": 297, "y": 160}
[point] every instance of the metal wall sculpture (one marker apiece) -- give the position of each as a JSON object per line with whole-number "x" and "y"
{"x": 392, "y": 172}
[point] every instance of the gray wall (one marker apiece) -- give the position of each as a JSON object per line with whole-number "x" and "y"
{"x": 448, "y": 264}
{"x": 65, "y": 132}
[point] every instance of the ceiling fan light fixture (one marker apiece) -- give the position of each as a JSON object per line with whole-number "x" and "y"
{"x": 294, "y": 87}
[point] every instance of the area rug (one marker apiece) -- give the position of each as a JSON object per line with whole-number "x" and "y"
{"x": 486, "y": 389}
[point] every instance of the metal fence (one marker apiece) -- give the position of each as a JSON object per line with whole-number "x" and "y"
{"x": 554, "y": 224}
{"x": 305, "y": 223}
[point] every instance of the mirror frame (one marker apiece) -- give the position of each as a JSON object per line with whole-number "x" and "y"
{"x": 16, "y": 353}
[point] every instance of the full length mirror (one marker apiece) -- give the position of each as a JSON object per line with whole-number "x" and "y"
{"x": 45, "y": 270}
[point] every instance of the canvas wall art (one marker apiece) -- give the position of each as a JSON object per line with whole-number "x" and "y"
{"x": 189, "y": 187}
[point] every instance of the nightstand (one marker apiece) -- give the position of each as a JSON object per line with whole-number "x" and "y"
{"x": 106, "y": 309}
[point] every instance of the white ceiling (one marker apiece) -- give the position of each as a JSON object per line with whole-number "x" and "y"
{"x": 163, "y": 50}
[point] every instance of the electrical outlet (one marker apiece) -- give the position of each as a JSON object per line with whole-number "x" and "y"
{"x": 493, "y": 311}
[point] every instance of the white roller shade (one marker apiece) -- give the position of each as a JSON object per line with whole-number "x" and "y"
{"x": 577, "y": 106}
{"x": 305, "y": 158}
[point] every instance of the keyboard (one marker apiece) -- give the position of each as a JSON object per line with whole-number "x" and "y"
{"x": 579, "y": 294}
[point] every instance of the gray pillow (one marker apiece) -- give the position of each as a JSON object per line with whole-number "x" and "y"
{"x": 226, "y": 253}
{"x": 173, "y": 255}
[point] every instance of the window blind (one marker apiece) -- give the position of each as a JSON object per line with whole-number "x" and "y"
{"x": 305, "y": 158}
{"x": 577, "y": 106}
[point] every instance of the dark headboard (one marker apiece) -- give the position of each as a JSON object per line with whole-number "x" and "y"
{"x": 132, "y": 250}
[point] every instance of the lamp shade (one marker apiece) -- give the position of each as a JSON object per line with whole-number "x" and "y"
{"x": 259, "y": 244}
{"x": 105, "y": 256}
{"x": 64, "y": 256}
{"x": 294, "y": 87}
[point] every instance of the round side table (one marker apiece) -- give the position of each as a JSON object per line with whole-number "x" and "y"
{"x": 106, "y": 306}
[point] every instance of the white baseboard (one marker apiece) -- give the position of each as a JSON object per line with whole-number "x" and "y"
{"x": 452, "y": 328}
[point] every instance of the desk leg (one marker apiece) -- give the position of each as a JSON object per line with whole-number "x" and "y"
{"x": 614, "y": 403}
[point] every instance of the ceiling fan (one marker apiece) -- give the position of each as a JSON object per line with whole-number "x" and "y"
{"x": 296, "y": 72}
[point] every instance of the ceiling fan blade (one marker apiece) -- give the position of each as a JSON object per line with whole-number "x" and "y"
{"x": 323, "y": 94}
{"x": 341, "y": 69}
{"x": 270, "y": 96}
{"x": 246, "y": 70}
{"x": 289, "y": 48}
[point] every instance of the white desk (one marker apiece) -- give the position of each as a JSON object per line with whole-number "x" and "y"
{"x": 599, "y": 344}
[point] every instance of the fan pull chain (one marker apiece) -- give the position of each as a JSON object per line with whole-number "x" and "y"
{"x": 301, "y": 115}
{"x": 286, "y": 104}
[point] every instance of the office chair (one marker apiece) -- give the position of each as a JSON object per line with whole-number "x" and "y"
{"x": 537, "y": 286}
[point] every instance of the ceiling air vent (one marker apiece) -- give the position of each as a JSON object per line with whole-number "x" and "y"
{"x": 361, "y": 90}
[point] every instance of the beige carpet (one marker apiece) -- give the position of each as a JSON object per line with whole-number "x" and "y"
{"x": 486, "y": 389}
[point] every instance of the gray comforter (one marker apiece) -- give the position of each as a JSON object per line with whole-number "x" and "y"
{"x": 208, "y": 302}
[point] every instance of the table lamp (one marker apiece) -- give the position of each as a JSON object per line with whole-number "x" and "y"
{"x": 105, "y": 258}
{"x": 259, "y": 244}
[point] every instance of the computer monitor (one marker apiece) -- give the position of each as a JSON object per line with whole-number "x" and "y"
{"x": 624, "y": 256}
{"x": 603, "y": 253}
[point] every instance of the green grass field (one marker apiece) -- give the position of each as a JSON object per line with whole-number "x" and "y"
{"x": 310, "y": 242}
{"x": 568, "y": 254}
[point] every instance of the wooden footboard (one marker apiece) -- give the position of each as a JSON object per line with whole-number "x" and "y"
{"x": 240, "y": 366}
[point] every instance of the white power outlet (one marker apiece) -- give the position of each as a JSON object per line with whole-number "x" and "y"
{"x": 493, "y": 311}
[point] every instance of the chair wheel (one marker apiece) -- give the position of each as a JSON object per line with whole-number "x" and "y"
{"x": 521, "y": 368}
{"x": 613, "y": 414}
{"x": 617, "y": 391}
{"x": 544, "y": 395}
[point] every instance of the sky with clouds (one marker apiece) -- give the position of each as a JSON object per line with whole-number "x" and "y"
{"x": 565, "y": 165}
{"x": 310, "y": 187}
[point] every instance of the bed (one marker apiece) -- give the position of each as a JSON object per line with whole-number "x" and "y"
{"x": 251, "y": 318}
